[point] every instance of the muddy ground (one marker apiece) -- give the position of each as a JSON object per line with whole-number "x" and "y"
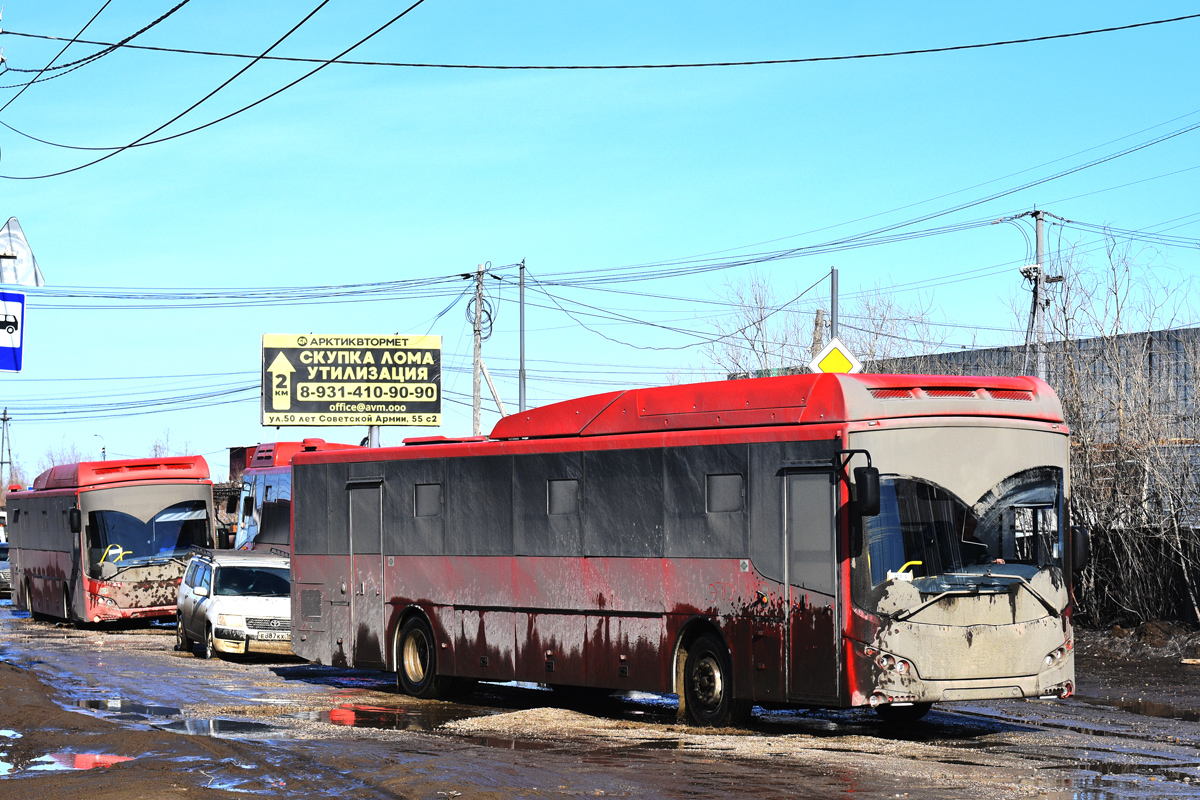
{"x": 78, "y": 702}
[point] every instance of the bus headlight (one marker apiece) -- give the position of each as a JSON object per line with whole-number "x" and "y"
{"x": 1055, "y": 657}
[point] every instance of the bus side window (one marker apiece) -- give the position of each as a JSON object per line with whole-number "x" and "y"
{"x": 428, "y": 500}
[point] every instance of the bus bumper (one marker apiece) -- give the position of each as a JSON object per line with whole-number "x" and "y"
{"x": 1054, "y": 683}
{"x": 103, "y": 609}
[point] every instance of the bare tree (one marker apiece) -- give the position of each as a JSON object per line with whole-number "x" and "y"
{"x": 761, "y": 333}
{"x": 764, "y": 334}
{"x": 162, "y": 447}
{"x": 65, "y": 453}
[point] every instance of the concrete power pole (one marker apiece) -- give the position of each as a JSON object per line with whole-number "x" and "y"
{"x": 521, "y": 372}
{"x": 5, "y": 449}
{"x": 476, "y": 425}
{"x": 818, "y": 342}
{"x": 1039, "y": 293}
{"x": 833, "y": 303}
{"x": 1036, "y": 274}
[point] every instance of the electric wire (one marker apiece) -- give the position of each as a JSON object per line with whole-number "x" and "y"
{"x": 13, "y": 99}
{"x": 140, "y": 141}
{"x": 648, "y": 66}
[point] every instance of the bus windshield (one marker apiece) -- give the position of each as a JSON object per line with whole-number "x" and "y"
{"x": 121, "y": 540}
{"x": 139, "y": 526}
{"x": 923, "y": 530}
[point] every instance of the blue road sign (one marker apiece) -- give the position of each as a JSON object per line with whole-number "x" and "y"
{"x": 12, "y": 330}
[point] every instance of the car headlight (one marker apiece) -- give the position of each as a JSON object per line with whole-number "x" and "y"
{"x": 231, "y": 620}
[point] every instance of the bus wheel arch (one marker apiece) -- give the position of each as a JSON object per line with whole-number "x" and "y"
{"x": 703, "y": 677}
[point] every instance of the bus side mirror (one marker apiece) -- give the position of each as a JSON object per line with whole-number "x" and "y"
{"x": 1081, "y": 548}
{"x": 866, "y": 484}
{"x": 247, "y": 507}
{"x": 75, "y": 520}
{"x": 231, "y": 504}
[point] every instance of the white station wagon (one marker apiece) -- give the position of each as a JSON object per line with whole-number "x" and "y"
{"x": 235, "y": 602}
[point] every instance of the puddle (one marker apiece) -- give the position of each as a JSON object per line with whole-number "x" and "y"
{"x": 125, "y": 707}
{"x": 1124, "y": 787}
{"x": 7, "y": 734}
{"x": 55, "y": 762}
{"x": 217, "y": 728}
{"x": 510, "y": 744}
{"x": 1146, "y": 708}
{"x": 394, "y": 718}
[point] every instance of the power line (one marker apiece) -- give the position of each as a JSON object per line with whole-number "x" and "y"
{"x": 79, "y": 62}
{"x": 261, "y": 100}
{"x": 676, "y": 65}
{"x": 73, "y": 39}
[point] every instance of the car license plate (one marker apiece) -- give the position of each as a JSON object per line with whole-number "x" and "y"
{"x": 274, "y": 636}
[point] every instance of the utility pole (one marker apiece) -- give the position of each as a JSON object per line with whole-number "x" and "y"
{"x": 833, "y": 303}
{"x": 818, "y": 332}
{"x": 1039, "y": 292}
{"x": 5, "y": 448}
{"x": 476, "y": 426}
{"x": 1036, "y": 274}
{"x": 521, "y": 372}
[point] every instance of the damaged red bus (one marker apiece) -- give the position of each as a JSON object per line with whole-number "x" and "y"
{"x": 265, "y": 505}
{"x": 811, "y": 540}
{"x": 101, "y": 541}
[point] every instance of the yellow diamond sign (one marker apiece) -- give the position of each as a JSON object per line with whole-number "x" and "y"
{"x": 835, "y": 357}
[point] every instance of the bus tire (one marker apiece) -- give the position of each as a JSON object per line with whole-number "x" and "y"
{"x": 708, "y": 685}
{"x": 183, "y": 642}
{"x": 416, "y": 661}
{"x": 903, "y": 714}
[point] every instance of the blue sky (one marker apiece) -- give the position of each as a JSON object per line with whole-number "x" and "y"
{"x": 368, "y": 174}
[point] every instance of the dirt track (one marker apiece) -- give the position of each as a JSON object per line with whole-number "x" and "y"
{"x": 282, "y": 728}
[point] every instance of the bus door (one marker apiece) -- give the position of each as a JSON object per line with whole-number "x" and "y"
{"x": 810, "y": 565}
{"x": 366, "y": 572}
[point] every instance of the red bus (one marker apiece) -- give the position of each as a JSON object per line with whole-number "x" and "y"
{"x": 811, "y": 540}
{"x": 100, "y": 541}
{"x": 265, "y": 505}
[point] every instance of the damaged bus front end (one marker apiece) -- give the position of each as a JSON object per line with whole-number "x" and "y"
{"x": 960, "y": 584}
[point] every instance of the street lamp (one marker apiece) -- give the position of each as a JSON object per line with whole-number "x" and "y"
{"x": 103, "y": 454}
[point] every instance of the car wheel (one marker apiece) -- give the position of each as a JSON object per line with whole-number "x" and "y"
{"x": 210, "y": 649}
{"x": 416, "y": 661}
{"x": 11, "y": 329}
{"x": 183, "y": 642}
{"x": 708, "y": 685}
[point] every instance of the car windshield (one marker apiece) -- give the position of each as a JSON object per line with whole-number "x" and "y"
{"x": 117, "y": 539}
{"x": 926, "y": 532}
{"x": 253, "y": 581}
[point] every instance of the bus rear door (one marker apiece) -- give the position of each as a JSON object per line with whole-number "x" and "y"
{"x": 366, "y": 572}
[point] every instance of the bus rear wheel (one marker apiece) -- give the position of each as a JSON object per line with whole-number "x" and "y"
{"x": 903, "y": 714}
{"x": 416, "y": 661}
{"x": 708, "y": 685}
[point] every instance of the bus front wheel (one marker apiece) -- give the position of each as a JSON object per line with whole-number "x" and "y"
{"x": 708, "y": 685}
{"x": 416, "y": 661}
{"x": 903, "y": 714}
